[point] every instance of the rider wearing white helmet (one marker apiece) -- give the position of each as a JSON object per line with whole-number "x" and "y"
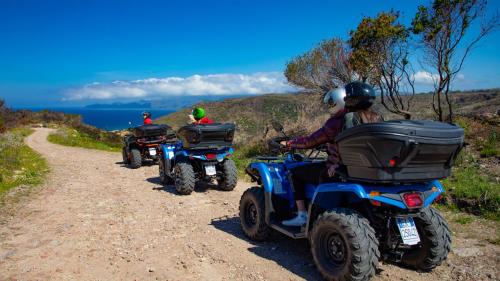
{"x": 355, "y": 98}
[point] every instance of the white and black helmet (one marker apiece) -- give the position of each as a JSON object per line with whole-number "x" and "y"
{"x": 335, "y": 99}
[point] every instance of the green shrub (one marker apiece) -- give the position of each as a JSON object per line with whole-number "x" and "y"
{"x": 464, "y": 219}
{"x": 244, "y": 155}
{"x": 462, "y": 122}
{"x": 490, "y": 147}
{"x": 110, "y": 138}
{"x": 73, "y": 137}
{"x": 474, "y": 192}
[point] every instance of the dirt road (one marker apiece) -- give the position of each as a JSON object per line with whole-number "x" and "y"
{"x": 94, "y": 219}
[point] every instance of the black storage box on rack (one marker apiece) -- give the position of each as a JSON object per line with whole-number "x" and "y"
{"x": 400, "y": 151}
{"x": 206, "y": 136}
{"x": 154, "y": 130}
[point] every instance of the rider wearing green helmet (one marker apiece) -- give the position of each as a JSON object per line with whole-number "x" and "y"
{"x": 198, "y": 116}
{"x": 198, "y": 113}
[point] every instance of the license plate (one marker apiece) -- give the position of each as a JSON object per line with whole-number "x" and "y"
{"x": 152, "y": 151}
{"x": 408, "y": 231}
{"x": 210, "y": 170}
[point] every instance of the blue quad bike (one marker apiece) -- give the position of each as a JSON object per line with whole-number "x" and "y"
{"x": 201, "y": 154}
{"x": 379, "y": 208}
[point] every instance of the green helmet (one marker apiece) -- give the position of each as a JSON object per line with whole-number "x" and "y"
{"x": 198, "y": 113}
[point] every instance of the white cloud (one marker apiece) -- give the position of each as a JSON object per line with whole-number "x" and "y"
{"x": 196, "y": 85}
{"x": 425, "y": 78}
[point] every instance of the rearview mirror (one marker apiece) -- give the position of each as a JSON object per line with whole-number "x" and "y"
{"x": 277, "y": 126}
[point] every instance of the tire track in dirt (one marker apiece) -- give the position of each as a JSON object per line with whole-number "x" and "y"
{"x": 97, "y": 220}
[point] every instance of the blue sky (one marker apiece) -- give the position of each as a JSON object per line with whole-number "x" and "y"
{"x": 78, "y": 52}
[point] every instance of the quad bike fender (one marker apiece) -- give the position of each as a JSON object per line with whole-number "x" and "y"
{"x": 220, "y": 156}
{"x": 333, "y": 195}
{"x": 435, "y": 190}
{"x": 168, "y": 151}
{"x": 266, "y": 181}
{"x": 168, "y": 154}
{"x": 392, "y": 195}
{"x": 265, "y": 176}
{"x": 180, "y": 156}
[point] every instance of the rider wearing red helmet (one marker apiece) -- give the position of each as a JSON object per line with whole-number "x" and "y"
{"x": 146, "y": 115}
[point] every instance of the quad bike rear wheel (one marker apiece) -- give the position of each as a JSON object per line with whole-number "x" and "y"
{"x": 229, "y": 175}
{"x": 135, "y": 158}
{"x": 435, "y": 241}
{"x": 184, "y": 178}
{"x": 344, "y": 246}
{"x": 252, "y": 214}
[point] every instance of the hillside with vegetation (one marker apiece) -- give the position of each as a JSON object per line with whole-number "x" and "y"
{"x": 305, "y": 112}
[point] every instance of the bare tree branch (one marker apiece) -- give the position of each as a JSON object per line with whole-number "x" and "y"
{"x": 442, "y": 28}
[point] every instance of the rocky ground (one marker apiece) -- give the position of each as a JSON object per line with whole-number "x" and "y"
{"x": 94, "y": 219}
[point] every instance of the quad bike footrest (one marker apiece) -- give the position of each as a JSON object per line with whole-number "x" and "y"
{"x": 294, "y": 232}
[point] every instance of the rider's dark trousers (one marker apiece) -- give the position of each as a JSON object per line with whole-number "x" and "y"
{"x": 314, "y": 173}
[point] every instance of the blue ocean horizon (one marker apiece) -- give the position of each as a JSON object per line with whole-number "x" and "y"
{"x": 108, "y": 119}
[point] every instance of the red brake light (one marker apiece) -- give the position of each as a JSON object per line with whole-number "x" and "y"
{"x": 211, "y": 156}
{"x": 413, "y": 200}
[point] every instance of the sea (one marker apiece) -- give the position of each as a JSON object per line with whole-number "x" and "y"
{"x": 108, "y": 119}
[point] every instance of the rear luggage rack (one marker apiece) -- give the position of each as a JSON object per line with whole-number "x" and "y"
{"x": 153, "y": 130}
{"x": 207, "y": 136}
{"x": 401, "y": 151}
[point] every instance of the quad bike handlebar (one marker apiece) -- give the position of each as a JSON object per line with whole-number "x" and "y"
{"x": 276, "y": 147}
{"x": 275, "y": 144}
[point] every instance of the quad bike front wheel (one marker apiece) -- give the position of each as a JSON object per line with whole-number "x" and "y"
{"x": 184, "y": 178}
{"x": 229, "y": 175}
{"x": 436, "y": 241}
{"x": 344, "y": 246}
{"x": 135, "y": 158}
{"x": 164, "y": 178}
{"x": 252, "y": 214}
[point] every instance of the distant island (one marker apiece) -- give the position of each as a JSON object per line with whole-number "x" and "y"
{"x": 119, "y": 105}
{"x": 171, "y": 103}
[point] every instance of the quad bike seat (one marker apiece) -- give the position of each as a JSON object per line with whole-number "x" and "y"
{"x": 399, "y": 151}
{"x": 207, "y": 136}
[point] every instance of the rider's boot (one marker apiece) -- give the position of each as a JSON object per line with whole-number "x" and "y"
{"x": 299, "y": 220}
